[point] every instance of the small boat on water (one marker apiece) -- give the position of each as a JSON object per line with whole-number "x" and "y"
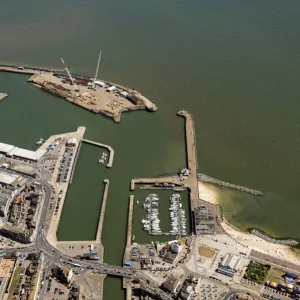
{"x": 101, "y": 160}
{"x": 137, "y": 202}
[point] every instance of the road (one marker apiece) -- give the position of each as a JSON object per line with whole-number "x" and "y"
{"x": 268, "y": 259}
{"x": 54, "y": 256}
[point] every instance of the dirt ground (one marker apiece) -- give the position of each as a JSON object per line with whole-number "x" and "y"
{"x": 206, "y": 252}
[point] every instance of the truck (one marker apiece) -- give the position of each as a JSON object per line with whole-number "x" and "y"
{"x": 93, "y": 252}
{"x": 127, "y": 264}
{"x": 91, "y": 247}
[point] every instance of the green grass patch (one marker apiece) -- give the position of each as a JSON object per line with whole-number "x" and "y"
{"x": 15, "y": 281}
{"x": 276, "y": 275}
{"x": 257, "y": 272}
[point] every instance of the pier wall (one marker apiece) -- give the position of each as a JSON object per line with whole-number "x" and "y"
{"x": 75, "y": 162}
{"x": 109, "y": 148}
{"x": 169, "y": 179}
{"x": 126, "y": 282}
{"x": 192, "y": 160}
{"x": 102, "y": 214}
{"x": 25, "y": 70}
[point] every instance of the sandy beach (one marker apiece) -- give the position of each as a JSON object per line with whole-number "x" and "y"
{"x": 207, "y": 193}
{"x": 256, "y": 243}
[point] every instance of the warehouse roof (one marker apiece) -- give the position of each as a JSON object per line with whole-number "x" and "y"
{"x": 16, "y": 151}
{"x": 6, "y": 147}
{"x": 7, "y": 178}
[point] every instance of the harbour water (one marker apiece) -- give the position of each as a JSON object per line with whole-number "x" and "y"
{"x": 233, "y": 65}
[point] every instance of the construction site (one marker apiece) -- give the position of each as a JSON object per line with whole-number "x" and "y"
{"x": 98, "y": 96}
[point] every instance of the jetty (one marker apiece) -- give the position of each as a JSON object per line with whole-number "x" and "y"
{"x": 102, "y": 214}
{"x": 109, "y": 148}
{"x": 156, "y": 180}
{"x": 205, "y": 178}
{"x": 126, "y": 281}
{"x": 129, "y": 229}
{"x": 2, "y": 96}
{"x": 191, "y": 155}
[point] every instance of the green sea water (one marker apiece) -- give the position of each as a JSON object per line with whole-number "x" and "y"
{"x": 234, "y": 65}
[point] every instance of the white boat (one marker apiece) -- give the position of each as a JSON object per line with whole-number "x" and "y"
{"x": 101, "y": 161}
{"x": 137, "y": 202}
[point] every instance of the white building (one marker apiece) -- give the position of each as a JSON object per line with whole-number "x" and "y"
{"x": 72, "y": 142}
{"x": 13, "y": 151}
{"x": 231, "y": 261}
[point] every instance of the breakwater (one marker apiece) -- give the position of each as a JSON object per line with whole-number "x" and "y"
{"x": 205, "y": 178}
{"x": 109, "y": 148}
{"x": 286, "y": 242}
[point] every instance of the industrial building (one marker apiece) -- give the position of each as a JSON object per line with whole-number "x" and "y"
{"x": 13, "y": 151}
{"x": 231, "y": 261}
{"x": 12, "y": 180}
{"x": 229, "y": 265}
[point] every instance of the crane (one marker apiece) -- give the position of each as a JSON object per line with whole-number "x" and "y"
{"x": 97, "y": 69}
{"x": 67, "y": 70}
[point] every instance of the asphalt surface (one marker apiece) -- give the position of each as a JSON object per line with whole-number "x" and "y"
{"x": 267, "y": 259}
{"x": 52, "y": 256}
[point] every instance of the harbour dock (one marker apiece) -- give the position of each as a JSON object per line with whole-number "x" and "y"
{"x": 109, "y": 148}
{"x": 160, "y": 180}
{"x": 75, "y": 161}
{"x": 102, "y": 214}
{"x": 129, "y": 229}
{"x": 3, "y": 95}
{"x": 192, "y": 160}
{"x": 127, "y": 282}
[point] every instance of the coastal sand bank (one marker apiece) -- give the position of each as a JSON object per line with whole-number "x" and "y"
{"x": 209, "y": 193}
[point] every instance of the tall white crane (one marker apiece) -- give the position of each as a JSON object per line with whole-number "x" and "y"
{"x": 97, "y": 69}
{"x": 67, "y": 70}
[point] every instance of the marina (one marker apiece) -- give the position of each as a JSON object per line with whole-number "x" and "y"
{"x": 151, "y": 222}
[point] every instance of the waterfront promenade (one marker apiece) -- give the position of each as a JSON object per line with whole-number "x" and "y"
{"x": 109, "y": 148}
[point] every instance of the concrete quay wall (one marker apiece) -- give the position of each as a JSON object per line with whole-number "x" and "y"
{"x": 192, "y": 160}
{"x": 25, "y": 70}
{"x": 109, "y": 148}
{"x": 168, "y": 179}
{"x": 129, "y": 229}
{"x": 102, "y": 214}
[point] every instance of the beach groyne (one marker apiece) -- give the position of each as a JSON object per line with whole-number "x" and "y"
{"x": 285, "y": 242}
{"x": 207, "y": 179}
